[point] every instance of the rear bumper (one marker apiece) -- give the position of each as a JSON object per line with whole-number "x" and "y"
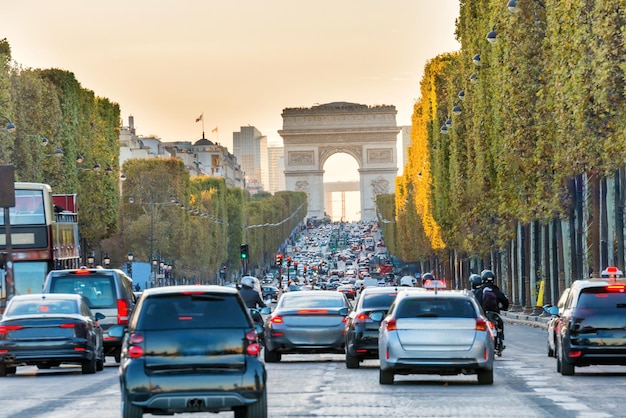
{"x": 284, "y": 345}
{"x": 363, "y": 345}
{"x": 179, "y": 392}
{"x": 607, "y": 356}
{"x": 43, "y": 356}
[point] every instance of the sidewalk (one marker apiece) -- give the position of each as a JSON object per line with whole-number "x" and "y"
{"x": 525, "y": 319}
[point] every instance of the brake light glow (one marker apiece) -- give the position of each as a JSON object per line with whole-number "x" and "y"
{"x": 5, "y": 329}
{"x": 82, "y": 271}
{"x": 67, "y": 325}
{"x": 122, "y": 312}
{"x": 79, "y": 349}
{"x": 361, "y": 317}
{"x": 481, "y": 324}
{"x": 312, "y": 311}
{"x": 575, "y": 353}
{"x": 135, "y": 350}
{"x": 252, "y": 347}
{"x": 276, "y": 319}
{"x": 192, "y": 293}
{"x": 616, "y": 288}
{"x": 390, "y": 325}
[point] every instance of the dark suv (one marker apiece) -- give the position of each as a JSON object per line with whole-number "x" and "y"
{"x": 591, "y": 326}
{"x": 363, "y": 322}
{"x": 108, "y": 291}
{"x": 192, "y": 349}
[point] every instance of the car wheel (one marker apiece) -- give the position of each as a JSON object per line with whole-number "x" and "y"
{"x": 566, "y": 368}
{"x": 352, "y": 362}
{"x": 271, "y": 356}
{"x": 100, "y": 364}
{"x": 11, "y": 369}
{"x": 128, "y": 409}
{"x": 485, "y": 377}
{"x": 385, "y": 377}
{"x": 256, "y": 410}
{"x": 118, "y": 355}
{"x": 89, "y": 366}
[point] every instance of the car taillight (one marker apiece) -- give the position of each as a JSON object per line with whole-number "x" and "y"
{"x": 481, "y": 325}
{"x": 390, "y": 325}
{"x": 360, "y": 318}
{"x": 67, "y": 326}
{"x": 5, "y": 329}
{"x": 135, "y": 350}
{"x": 252, "y": 346}
{"x": 616, "y": 288}
{"x": 277, "y": 319}
{"x": 122, "y": 312}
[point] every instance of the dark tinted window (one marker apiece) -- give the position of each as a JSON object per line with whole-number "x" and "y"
{"x": 598, "y": 297}
{"x": 99, "y": 290}
{"x": 436, "y": 308}
{"x": 192, "y": 311}
{"x": 378, "y": 300}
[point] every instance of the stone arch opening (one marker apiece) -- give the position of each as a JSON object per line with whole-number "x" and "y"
{"x": 342, "y": 193}
{"x": 312, "y": 135}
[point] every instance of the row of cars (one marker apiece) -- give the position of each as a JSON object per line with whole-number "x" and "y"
{"x": 588, "y": 324}
{"x": 410, "y": 330}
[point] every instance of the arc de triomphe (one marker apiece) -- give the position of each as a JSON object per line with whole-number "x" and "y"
{"x": 367, "y": 133}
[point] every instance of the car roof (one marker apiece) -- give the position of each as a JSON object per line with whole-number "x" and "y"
{"x": 597, "y": 282}
{"x": 313, "y": 293}
{"x": 174, "y": 290}
{"x": 410, "y": 293}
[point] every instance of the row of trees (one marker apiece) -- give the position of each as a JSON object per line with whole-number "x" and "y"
{"x": 517, "y": 152}
{"x": 198, "y": 240}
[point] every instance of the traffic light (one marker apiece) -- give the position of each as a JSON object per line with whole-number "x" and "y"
{"x": 244, "y": 251}
{"x": 279, "y": 259}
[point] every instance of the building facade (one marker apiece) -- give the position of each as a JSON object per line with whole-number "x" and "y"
{"x": 276, "y": 166}
{"x": 250, "y": 148}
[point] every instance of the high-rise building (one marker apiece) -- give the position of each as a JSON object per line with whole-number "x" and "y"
{"x": 250, "y": 148}
{"x": 276, "y": 164}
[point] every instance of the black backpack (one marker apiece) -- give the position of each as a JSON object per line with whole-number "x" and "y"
{"x": 490, "y": 300}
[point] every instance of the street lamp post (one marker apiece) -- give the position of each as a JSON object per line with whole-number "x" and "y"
{"x": 91, "y": 259}
{"x": 129, "y": 267}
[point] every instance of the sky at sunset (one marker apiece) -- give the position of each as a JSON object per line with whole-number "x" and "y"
{"x": 237, "y": 62}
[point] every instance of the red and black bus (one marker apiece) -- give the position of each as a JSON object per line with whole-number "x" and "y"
{"x": 44, "y": 236}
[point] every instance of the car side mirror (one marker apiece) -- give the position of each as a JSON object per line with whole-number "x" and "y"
{"x": 376, "y": 316}
{"x": 344, "y": 311}
{"x": 116, "y": 331}
{"x": 266, "y": 310}
{"x": 554, "y": 310}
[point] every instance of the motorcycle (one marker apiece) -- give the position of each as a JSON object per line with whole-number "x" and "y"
{"x": 496, "y": 327}
{"x": 259, "y": 323}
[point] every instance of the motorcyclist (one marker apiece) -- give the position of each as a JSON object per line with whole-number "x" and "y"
{"x": 493, "y": 300}
{"x": 475, "y": 282}
{"x": 250, "y": 296}
{"x": 426, "y": 277}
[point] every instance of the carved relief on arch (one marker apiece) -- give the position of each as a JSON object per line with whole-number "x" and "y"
{"x": 326, "y": 152}
{"x": 380, "y": 186}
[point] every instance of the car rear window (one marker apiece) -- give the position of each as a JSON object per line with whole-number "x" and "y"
{"x": 99, "y": 290}
{"x": 192, "y": 312}
{"x": 437, "y": 308}
{"x": 43, "y": 306}
{"x": 315, "y": 302}
{"x": 599, "y": 298}
{"x": 378, "y": 300}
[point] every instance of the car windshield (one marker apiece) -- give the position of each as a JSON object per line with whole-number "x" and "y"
{"x": 378, "y": 300}
{"x": 440, "y": 308}
{"x": 43, "y": 306}
{"x": 599, "y": 298}
{"x": 192, "y": 311}
{"x": 315, "y": 302}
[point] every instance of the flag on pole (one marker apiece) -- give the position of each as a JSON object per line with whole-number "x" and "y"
{"x": 215, "y": 129}
{"x": 199, "y": 118}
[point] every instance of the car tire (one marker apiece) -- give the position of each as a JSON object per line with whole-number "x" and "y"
{"x": 255, "y": 410}
{"x": 352, "y": 362}
{"x": 118, "y": 355}
{"x": 100, "y": 364}
{"x": 271, "y": 356}
{"x": 128, "y": 409}
{"x": 566, "y": 368}
{"x": 89, "y": 366}
{"x": 485, "y": 377}
{"x": 385, "y": 377}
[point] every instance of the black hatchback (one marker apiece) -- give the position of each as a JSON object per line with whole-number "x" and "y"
{"x": 192, "y": 349}
{"x": 363, "y": 322}
{"x": 591, "y": 327}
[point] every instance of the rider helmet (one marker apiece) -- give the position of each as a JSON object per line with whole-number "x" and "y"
{"x": 427, "y": 276}
{"x": 248, "y": 282}
{"x": 475, "y": 281}
{"x": 487, "y": 276}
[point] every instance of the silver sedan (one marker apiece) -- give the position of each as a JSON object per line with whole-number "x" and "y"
{"x": 443, "y": 333}
{"x": 306, "y": 322}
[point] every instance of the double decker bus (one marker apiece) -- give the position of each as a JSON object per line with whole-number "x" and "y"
{"x": 44, "y": 236}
